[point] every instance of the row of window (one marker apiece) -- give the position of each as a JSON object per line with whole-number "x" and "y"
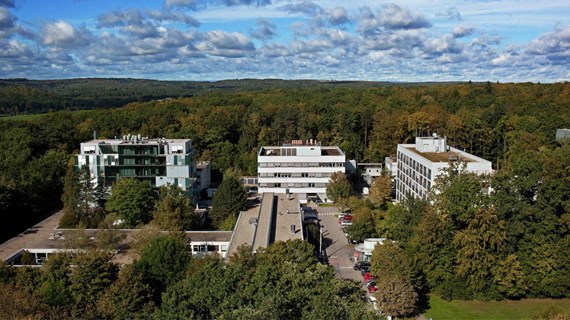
{"x": 402, "y": 189}
{"x": 300, "y": 164}
{"x": 407, "y": 185}
{"x": 209, "y": 248}
{"x": 294, "y": 175}
{"x": 404, "y": 160}
{"x": 293, "y": 185}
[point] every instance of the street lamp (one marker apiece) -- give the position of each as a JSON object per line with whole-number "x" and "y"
{"x": 321, "y": 242}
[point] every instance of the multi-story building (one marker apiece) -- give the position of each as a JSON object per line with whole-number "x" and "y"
{"x": 420, "y": 163}
{"x": 157, "y": 161}
{"x": 301, "y": 167}
{"x": 203, "y": 174}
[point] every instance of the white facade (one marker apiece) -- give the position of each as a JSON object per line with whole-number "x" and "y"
{"x": 371, "y": 171}
{"x": 158, "y": 161}
{"x": 364, "y": 250}
{"x": 299, "y": 168}
{"x": 420, "y": 163}
{"x": 209, "y": 242}
{"x": 391, "y": 165}
{"x": 203, "y": 174}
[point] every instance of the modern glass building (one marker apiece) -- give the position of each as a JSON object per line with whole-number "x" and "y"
{"x": 157, "y": 161}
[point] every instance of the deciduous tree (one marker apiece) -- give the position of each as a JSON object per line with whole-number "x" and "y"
{"x": 229, "y": 200}
{"x": 132, "y": 201}
{"x": 338, "y": 187}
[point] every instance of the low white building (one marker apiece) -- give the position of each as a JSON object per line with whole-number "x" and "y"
{"x": 209, "y": 242}
{"x": 301, "y": 167}
{"x": 364, "y": 250}
{"x": 420, "y": 163}
{"x": 391, "y": 165}
{"x": 370, "y": 171}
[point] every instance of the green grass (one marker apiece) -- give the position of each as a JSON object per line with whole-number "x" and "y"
{"x": 495, "y": 310}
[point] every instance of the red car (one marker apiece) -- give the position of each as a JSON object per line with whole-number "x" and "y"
{"x": 372, "y": 287}
{"x": 368, "y": 277}
{"x": 345, "y": 219}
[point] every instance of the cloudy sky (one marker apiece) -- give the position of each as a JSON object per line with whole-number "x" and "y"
{"x": 416, "y": 40}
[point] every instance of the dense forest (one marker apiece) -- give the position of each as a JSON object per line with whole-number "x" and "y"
{"x": 451, "y": 244}
{"x": 23, "y": 96}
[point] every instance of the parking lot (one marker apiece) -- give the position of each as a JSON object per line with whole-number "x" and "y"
{"x": 339, "y": 252}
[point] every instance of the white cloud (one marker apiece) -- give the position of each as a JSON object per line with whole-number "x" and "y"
{"x": 179, "y": 3}
{"x": 63, "y": 35}
{"x": 462, "y": 31}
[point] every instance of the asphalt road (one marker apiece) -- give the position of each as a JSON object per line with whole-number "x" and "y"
{"x": 339, "y": 251}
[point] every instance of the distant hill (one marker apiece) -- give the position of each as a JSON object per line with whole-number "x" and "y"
{"x": 23, "y": 96}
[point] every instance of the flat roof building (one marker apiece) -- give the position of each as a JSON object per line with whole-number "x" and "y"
{"x": 157, "y": 161}
{"x": 301, "y": 167}
{"x": 419, "y": 164}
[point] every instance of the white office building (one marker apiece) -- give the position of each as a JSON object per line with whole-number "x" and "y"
{"x": 420, "y": 163}
{"x": 301, "y": 167}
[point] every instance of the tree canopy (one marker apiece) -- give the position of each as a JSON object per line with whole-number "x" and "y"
{"x": 131, "y": 201}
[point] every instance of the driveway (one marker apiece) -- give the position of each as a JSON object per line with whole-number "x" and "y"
{"x": 338, "y": 251}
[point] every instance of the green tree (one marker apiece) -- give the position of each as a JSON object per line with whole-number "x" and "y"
{"x": 90, "y": 278}
{"x": 479, "y": 246}
{"x": 389, "y": 260}
{"x": 363, "y": 224}
{"x": 381, "y": 191}
{"x": 163, "y": 261}
{"x": 433, "y": 251}
{"x": 132, "y": 201}
{"x": 338, "y": 187}
{"x": 54, "y": 290}
{"x": 174, "y": 211}
{"x": 71, "y": 210}
{"x": 509, "y": 278}
{"x": 402, "y": 219}
{"x": 229, "y": 200}
{"x": 127, "y": 298}
{"x": 396, "y": 296}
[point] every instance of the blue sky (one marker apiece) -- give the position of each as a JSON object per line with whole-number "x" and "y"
{"x": 437, "y": 40}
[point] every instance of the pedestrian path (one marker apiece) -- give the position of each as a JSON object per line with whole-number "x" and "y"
{"x": 328, "y": 214}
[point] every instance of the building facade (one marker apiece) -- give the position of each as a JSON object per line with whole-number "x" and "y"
{"x": 419, "y": 164}
{"x": 301, "y": 167}
{"x": 157, "y": 161}
{"x": 203, "y": 175}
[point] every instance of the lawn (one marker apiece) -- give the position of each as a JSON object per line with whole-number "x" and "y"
{"x": 495, "y": 310}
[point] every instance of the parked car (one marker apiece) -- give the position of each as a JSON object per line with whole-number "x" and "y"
{"x": 344, "y": 218}
{"x": 346, "y": 223}
{"x": 344, "y": 214}
{"x": 372, "y": 289}
{"x": 364, "y": 270}
{"x": 361, "y": 264}
{"x": 310, "y": 217}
